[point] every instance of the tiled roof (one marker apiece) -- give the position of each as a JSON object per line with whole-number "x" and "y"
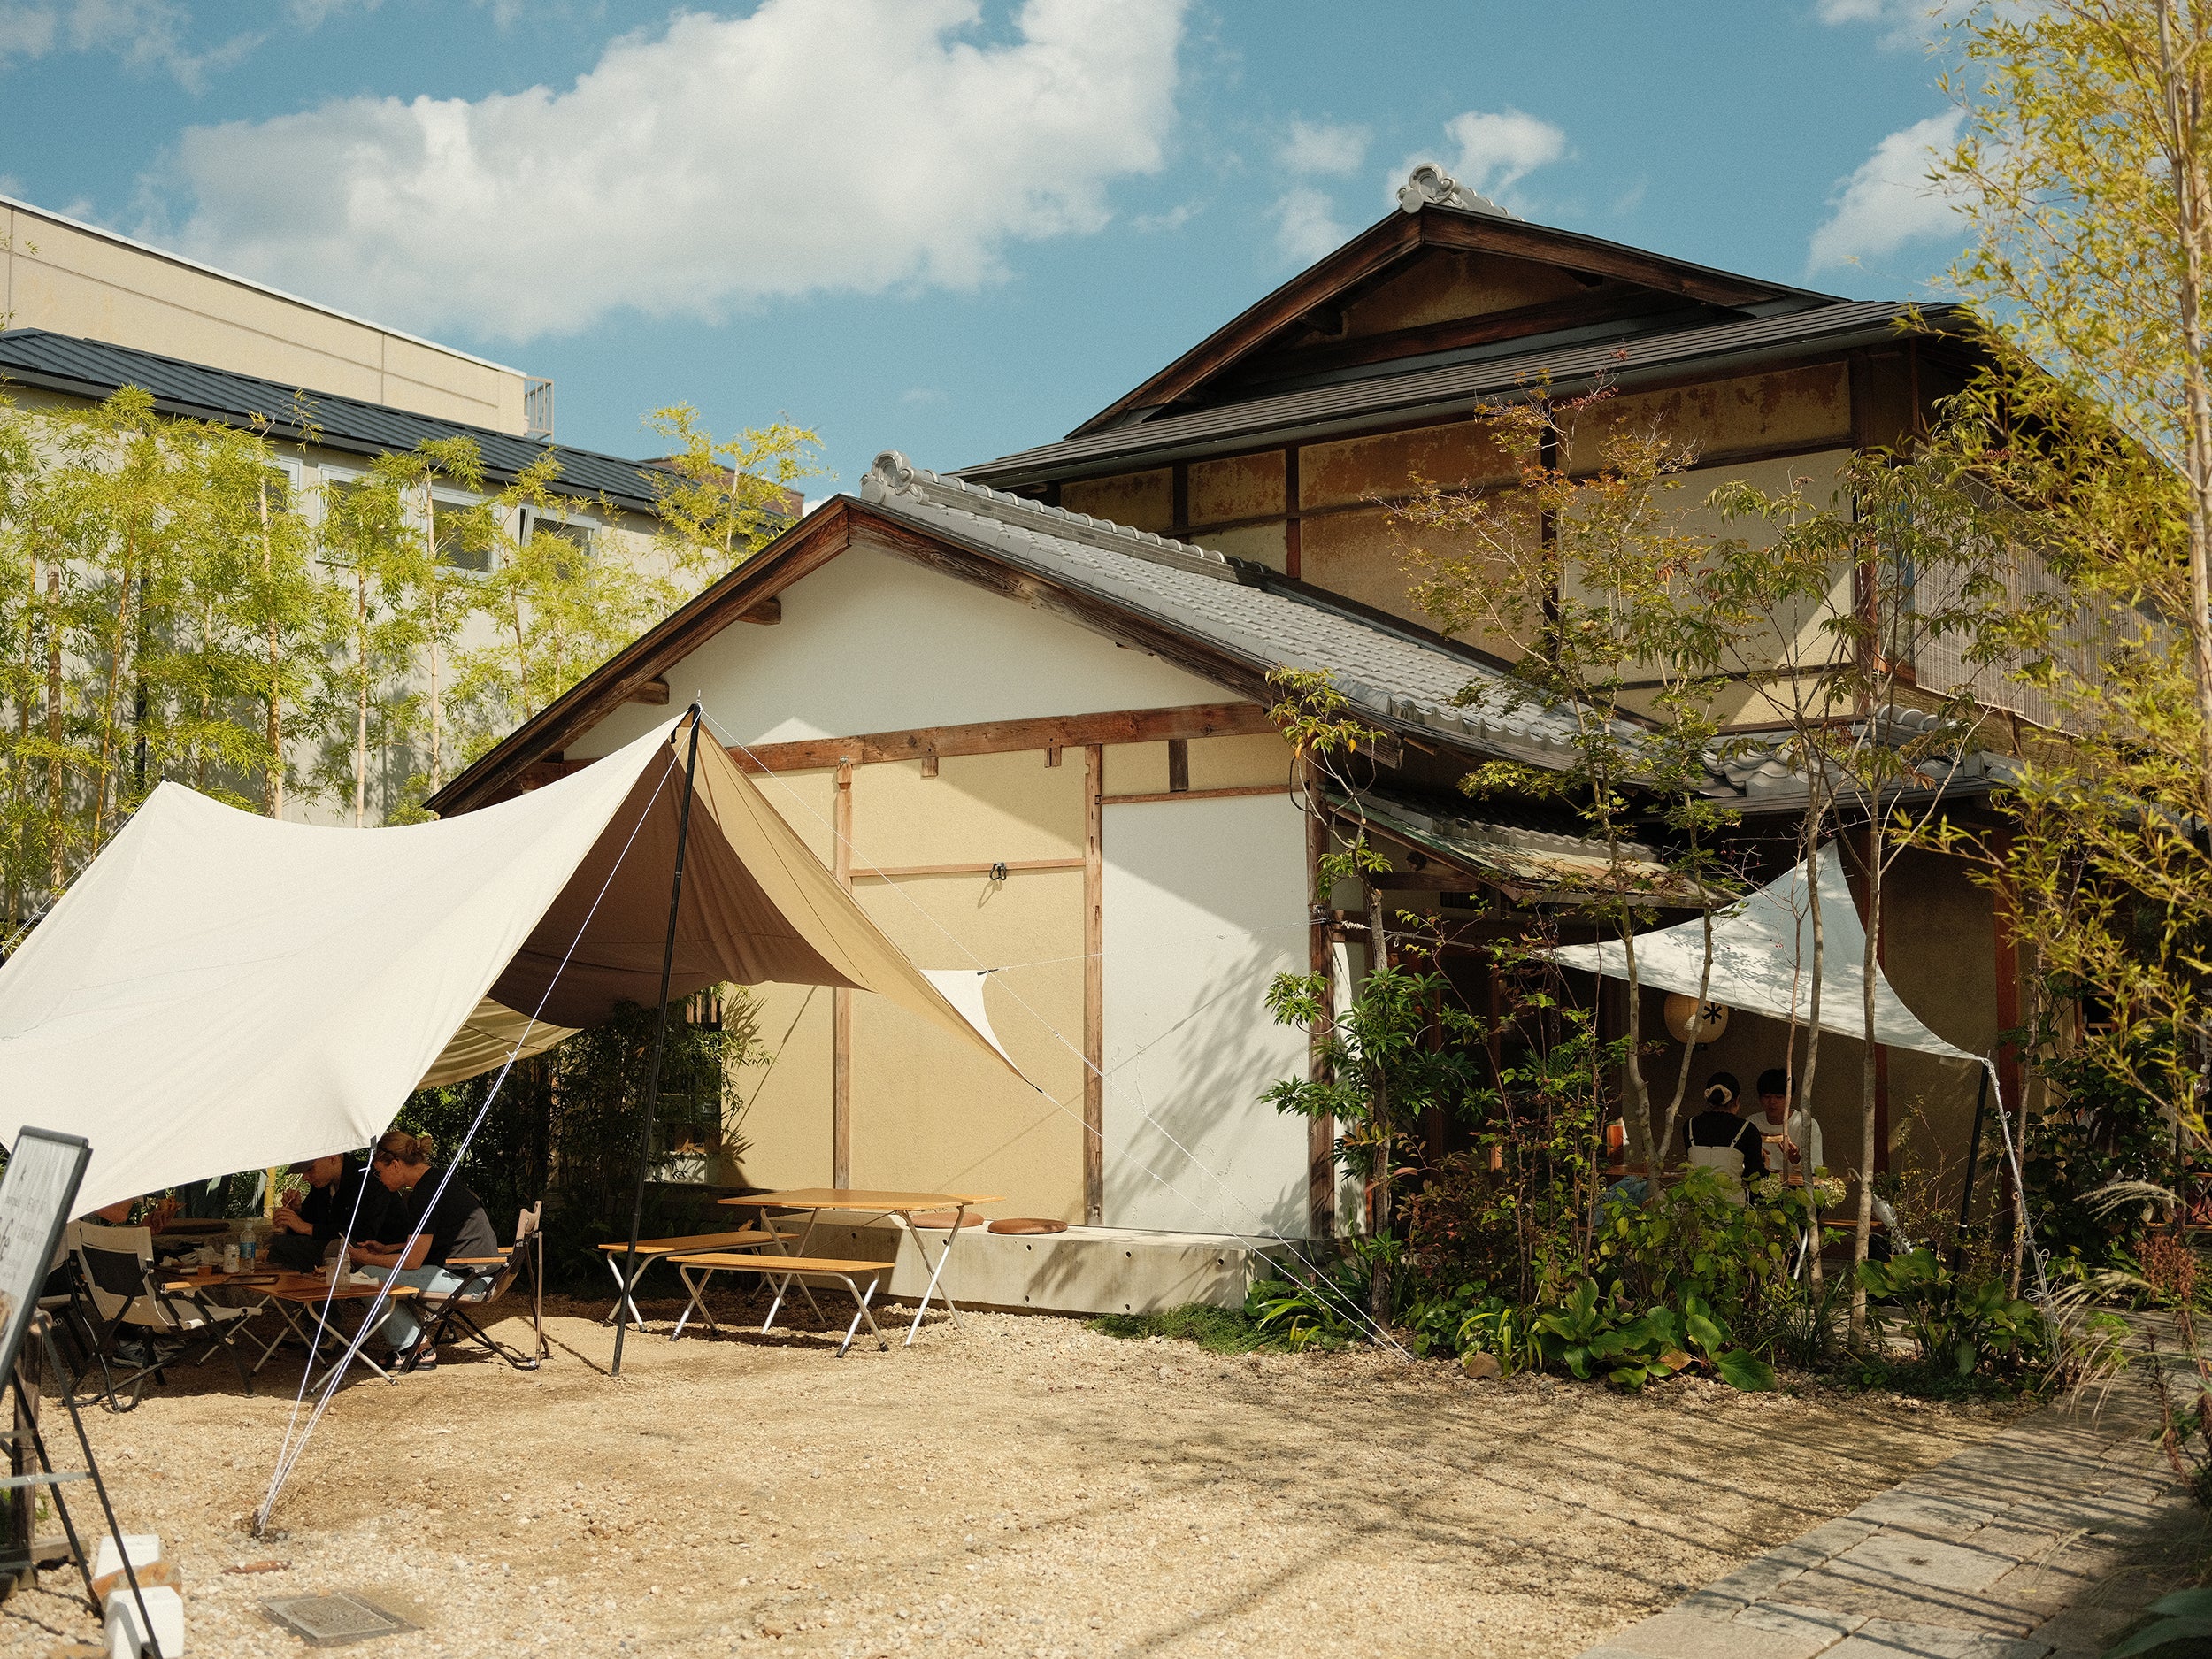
{"x": 92, "y": 368}
{"x": 1393, "y": 675}
{"x": 1321, "y": 410}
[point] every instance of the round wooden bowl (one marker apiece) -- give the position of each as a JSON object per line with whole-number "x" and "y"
{"x": 942, "y": 1219}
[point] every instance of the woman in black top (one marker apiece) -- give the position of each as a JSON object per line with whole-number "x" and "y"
{"x": 433, "y": 1228}
{"x": 1718, "y": 1125}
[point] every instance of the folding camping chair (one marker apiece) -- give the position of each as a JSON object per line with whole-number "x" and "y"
{"x": 127, "y": 1292}
{"x": 486, "y": 1280}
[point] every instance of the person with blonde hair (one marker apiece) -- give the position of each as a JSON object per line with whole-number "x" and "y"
{"x": 432, "y": 1227}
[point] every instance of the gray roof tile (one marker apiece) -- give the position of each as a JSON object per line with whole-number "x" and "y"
{"x": 1393, "y": 677}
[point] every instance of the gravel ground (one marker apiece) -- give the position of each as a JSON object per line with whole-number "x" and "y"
{"x": 1024, "y": 1487}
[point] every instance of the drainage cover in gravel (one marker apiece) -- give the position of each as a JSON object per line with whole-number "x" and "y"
{"x": 331, "y": 1620}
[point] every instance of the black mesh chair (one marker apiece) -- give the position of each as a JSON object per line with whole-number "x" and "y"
{"x": 456, "y": 1317}
{"x": 126, "y": 1292}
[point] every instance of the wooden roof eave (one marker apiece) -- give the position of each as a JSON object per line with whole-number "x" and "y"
{"x": 808, "y": 545}
{"x": 1399, "y": 236}
{"x": 818, "y": 538}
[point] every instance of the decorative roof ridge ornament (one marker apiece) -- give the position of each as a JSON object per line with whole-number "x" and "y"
{"x": 892, "y": 475}
{"x": 1429, "y": 184}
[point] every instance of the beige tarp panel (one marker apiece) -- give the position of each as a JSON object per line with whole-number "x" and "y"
{"x": 491, "y": 1035}
{"x": 218, "y": 991}
{"x": 758, "y": 908}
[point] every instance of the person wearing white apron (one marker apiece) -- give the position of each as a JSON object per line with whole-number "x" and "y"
{"x": 1717, "y": 1139}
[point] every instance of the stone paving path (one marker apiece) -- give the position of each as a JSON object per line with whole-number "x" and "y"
{"x": 2042, "y": 1543}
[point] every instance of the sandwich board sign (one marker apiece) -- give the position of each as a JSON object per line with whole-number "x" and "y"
{"x": 36, "y": 1193}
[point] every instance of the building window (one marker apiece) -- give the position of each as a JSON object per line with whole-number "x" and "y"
{"x": 458, "y": 532}
{"x": 574, "y": 532}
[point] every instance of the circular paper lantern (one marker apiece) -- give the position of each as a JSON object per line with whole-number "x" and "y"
{"x": 1692, "y": 1021}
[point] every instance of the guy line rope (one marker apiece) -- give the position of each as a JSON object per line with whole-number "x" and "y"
{"x": 1106, "y": 1080}
{"x": 289, "y": 1454}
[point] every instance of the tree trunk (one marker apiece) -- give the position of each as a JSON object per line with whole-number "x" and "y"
{"x": 360, "y": 692}
{"x": 114, "y": 690}
{"x": 2186, "y": 166}
{"x": 1378, "y": 1270}
{"x": 56, "y": 805}
{"x": 272, "y": 793}
{"x": 1868, "y": 1151}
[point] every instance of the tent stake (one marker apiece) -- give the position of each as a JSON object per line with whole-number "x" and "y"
{"x": 660, "y": 1042}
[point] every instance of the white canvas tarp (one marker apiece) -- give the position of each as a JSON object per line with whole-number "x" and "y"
{"x": 219, "y": 992}
{"x": 1763, "y": 962}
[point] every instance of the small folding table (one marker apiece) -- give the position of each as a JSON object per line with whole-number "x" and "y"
{"x": 901, "y": 1207}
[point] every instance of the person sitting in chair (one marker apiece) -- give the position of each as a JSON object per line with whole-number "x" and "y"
{"x": 340, "y": 1201}
{"x": 443, "y": 1225}
{"x": 1792, "y": 1138}
{"x": 1716, "y": 1138}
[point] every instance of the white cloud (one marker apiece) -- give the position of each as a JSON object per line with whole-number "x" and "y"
{"x": 146, "y": 35}
{"x": 1305, "y": 224}
{"x": 1323, "y": 147}
{"x": 1173, "y": 220}
{"x": 1888, "y": 201}
{"x": 1902, "y": 22}
{"x": 810, "y": 145}
{"x": 1496, "y": 151}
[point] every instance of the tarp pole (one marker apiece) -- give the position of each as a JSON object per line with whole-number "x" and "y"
{"x": 1973, "y": 1161}
{"x": 660, "y": 1042}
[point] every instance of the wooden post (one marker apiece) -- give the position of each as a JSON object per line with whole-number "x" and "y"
{"x": 1321, "y": 959}
{"x": 841, "y": 1003}
{"x": 1094, "y": 985}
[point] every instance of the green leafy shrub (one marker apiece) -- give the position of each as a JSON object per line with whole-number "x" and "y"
{"x": 1964, "y": 1325}
{"x": 1593, "y": 1333}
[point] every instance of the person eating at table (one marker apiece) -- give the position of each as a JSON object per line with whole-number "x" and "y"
{"x": 1792, "y": 1136}
{"x": 1718, "y": 1139}
{"x": 340, "y": 1201}
{"x": 435, "y": 1227}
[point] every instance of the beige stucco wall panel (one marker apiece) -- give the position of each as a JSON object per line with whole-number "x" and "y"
{"x": 1236, "y": 763}
{"x": 978, "y": 809}
{"x": 1135, "y": 769}
{"x": 909, "y": 648}
{"x": 1144, "y": 501}
{"x": 787, "y": 1121}
{"x": 930, "y": 1113}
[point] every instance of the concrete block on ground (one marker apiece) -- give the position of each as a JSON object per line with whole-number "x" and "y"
{"x": 1685, "y": 1636}
{"x": 125, "y": 1635}
{"x": 1931, "y": 1517}
{"x": 1916, "y": 1559}
{"x": 144, "y": 1548}
{"x": 1879, "y": 1595}
{"x": 1088, "y": 1269}
{"x": 1897, "y": 1639}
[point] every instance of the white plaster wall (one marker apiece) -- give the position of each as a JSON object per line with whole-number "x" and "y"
{"x": 873, "y": 642}
{"x": 1204, "y": 902}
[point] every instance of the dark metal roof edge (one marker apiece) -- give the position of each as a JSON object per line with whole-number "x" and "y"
{"x": 290, "y": 429}
{"x": 1049, "y": 463}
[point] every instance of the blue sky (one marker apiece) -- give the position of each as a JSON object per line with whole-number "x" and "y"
{"x": 951, "y": 226}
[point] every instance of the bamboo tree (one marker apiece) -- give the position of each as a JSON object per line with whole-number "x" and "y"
{"x": 1580, "y": 573}
{"x": 719, "y": 499}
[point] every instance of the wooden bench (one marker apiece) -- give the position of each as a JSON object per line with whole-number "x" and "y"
{"x": 696, "y": 1271}
{"x": 652, "y": 1250}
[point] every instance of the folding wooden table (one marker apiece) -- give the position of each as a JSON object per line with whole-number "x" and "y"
{"x": 652, "y": 1250}
{"x": 901, "y": 1207}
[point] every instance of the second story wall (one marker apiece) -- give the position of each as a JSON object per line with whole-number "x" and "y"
{"x": 76, "y": 278}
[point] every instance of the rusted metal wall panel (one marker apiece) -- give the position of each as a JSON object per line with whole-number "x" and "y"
{"x": 1242, "y": 487}
{"x": 1269, "y": 544}
{"x": 1355, "y": 470}
{"x": 1788, "y": 408}
{"x": 1144, "y": 501}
